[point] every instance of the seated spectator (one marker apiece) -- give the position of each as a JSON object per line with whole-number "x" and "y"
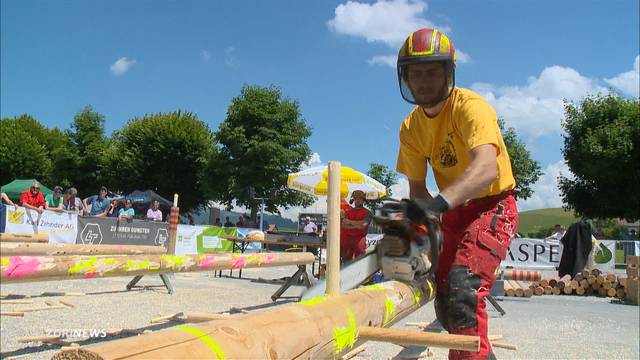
{"x": 72, "y": 203}
{"x": 154, "y": 213}
{"x": 99, "y": 203}
{"x": 241, "y": 223}
{"x": 32, "y": 198}
{"x": 218, "y": 222}
{"x": 54, "y": 201}
{"x": 128, "y": 212}
{"x": 228, "y": 222}
{"x": 310, "y": 228}
{"x": 113, "y": 209}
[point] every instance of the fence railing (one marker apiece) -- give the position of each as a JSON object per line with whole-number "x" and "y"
{"x": 624, "y": 248}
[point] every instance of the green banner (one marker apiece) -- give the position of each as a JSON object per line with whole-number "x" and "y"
{"x": 211, "y": 240}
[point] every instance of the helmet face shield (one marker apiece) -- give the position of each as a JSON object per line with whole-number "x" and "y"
{"x": 426, "y": 68}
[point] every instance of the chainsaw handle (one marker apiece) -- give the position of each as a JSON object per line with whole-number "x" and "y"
{"x": 435, "y": 235}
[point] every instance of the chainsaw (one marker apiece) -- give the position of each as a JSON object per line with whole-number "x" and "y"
{"x": 419, "y": 237}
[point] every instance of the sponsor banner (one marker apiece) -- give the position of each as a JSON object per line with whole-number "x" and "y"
{"x": 97, "y": 230}
{"x": 533, "y": 253}
{"x": 604, "y": 255}
{"x": 62, "y": 227}
{"x": 193, "y": 239}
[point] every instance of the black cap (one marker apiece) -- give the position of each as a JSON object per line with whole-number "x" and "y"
{"x": 104, "y": 188}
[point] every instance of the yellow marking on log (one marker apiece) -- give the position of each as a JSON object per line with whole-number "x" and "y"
{"x": 82, "y": 267}
{"x": 205, "y": 338}
{"x": 174, "y": 261}
{"x": 389, "y": 310}
{"x": 417, "y": 294}
{"x": 373, "y": 287}
{"x": 5, "y": 261}
{"x": 133, "y": 265}
{"x": 345, "y": 336}
{"x": 314, "y": 301}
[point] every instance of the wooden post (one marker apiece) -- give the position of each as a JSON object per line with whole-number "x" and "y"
{"x": 16, "y": 269}
{"x": 322, "y": 327}
{"x": 10, "y": 237}
{"x": 174, "y": 218}
{"x": 333, "y": 227}
{"x": 420, "y": 338}
{"x": 38, "y": 249}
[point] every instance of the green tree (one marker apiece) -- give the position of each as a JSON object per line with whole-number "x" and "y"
{"x": 262, "y": 140}
{"x": 385, "y": 176}
{"x": 525, "y": 170}
{"x": 165, "y": 152}
{"x": 86, "y": 159}
{"x": 21, "y": 154}
{"x": 601, "y": 140}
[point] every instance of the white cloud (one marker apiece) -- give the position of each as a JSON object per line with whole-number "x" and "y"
{"x": 401, "y": 189}
{"x": 121, "y": 66}
{"x": 388, "y": 60}
{"x": 628, "y": 82}
{"x": 546, "y": 193}
{"x": 314, "y": 160}
{"x": 537, "y": 108}
{"x": 462, "y": 57}
{"x": 206, "y": 55}
{"x": 230, "y": 58}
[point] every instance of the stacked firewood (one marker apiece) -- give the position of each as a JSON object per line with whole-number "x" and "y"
{"x": 592, "y": 282}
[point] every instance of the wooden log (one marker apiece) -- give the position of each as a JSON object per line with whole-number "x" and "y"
{"x": 574, "y": 284}
{"x": 553, "y": 282}
{"x": 584, "y": 283}
{"x": 544, "y": 283}
{"x": 504, "y": 346}
{"x": 607, "y": 285}
{"x": 539, "y": 290}
{"x": 595, "y": 272}
{"x": 600, "y": 279}
{"x": 622, "y": 281}
{"x": 579, "y": 276}
{"x": 526, "y": 289}
{"x": 522, "y": 275}
{"x": 602, "y": 292}
{"x": 509, "y": 290}
{"x": 591, "y": 279}
{"x": 41, "y": 249}
{"x": 567, "y": 290}
{"x": 322, "y": 327}
{"x": 174, "y": 218}
{"x": 548, "y": 290}
{"x": 611, "y": 292}
{"x": 564, "y": 282}
{"x": 15, "y": 269}
{"x": 16, "y": 237}
{"x": 333, "y": 228}
{"x": 611, "y": 277}
{"x": 12, "y": 313}
{"x": 420, "y": 338}
{"x": 556, "y": 291}
{"x": 620, "y": 293}
{"x": 580, "y": 290}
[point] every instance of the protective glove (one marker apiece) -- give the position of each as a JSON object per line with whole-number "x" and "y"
{"x": 418, "y": 210}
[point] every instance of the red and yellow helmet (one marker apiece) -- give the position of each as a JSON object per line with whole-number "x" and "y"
{"x": 424, "y": 46}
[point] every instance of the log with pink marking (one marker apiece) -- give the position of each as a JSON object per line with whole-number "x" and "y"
{"x": 16, "y": 269}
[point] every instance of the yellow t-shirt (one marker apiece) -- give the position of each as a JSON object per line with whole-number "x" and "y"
{"x": 465, "y": 122}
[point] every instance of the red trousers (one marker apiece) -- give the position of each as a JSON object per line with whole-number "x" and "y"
{"x": 476, "y": 239}
{"x": 352, "y": 247}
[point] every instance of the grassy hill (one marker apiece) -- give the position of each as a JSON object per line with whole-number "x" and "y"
{"x": 533, "y": 220}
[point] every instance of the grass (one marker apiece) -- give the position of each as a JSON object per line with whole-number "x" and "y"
{"x": 533, "y": 220}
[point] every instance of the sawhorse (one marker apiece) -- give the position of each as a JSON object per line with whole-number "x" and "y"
{"x": 164, "y": 277}
{"x": 299, "y": 276}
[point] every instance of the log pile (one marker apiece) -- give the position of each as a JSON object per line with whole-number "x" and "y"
{"x": 633, "y": 280}
{"x": 585, "y": 283}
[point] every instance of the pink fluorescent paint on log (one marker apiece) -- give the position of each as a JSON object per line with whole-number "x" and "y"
{"x": 207, "y": 261}
{"x": 238, "y": 262}
{"x": 90, "y": 275}
{"x": 20, "y": 266}
{"x": 267, "y": 259}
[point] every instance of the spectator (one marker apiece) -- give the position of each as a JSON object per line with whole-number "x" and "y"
{"x": 99, "y": 203}
{"x": 353, "y": 228}
{"x": 241, "y": 222}
{"x": 309, "y": 227}
{"x": 128, "y": 212}
{"x": 113, "y": 209}
{"x": 227, "y": 222}
{"x": 154, "y": 213}
{"x": 557, "y": 233}
{"x": 190, "y": 220}
{"x": 32, "y": 198}
{"x": 54, "y": 201}
{"x": 4, "y": 199}
{"x": 72, "y": 203}
{"x": 218, "y": 222}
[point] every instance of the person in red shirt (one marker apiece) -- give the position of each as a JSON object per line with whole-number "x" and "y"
{"x": 32, "y": 198}
{"x": 353, "y": 227}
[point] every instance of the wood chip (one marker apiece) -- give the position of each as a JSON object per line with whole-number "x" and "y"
{"x": 42, "y": 308}
{"x": 354, "y": 352}
{"x": 12, "y": 313}
{"x": 67, "y": 303}
{"x": 9, "y": 302}
{"x": 504, "y": 346}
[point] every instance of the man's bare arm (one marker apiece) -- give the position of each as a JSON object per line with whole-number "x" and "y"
{"x": 482, "y": 171}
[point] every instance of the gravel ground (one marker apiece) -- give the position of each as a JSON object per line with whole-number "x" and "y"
{"x": 547, "y": 327}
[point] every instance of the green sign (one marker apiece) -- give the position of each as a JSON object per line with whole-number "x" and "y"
{"x": 211, "y": 240}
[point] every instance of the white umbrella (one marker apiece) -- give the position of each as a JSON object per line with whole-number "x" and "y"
{"x": 313, "y": 181}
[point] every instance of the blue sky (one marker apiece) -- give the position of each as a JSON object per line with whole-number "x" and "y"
{"x": 336, "y": 58}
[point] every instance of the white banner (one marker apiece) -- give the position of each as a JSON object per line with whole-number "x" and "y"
{"x": 186, "y": 239}
{"x": 62, "y": 227}
{"x": 533, "y": 253}
{"x": 604, "y": 255}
